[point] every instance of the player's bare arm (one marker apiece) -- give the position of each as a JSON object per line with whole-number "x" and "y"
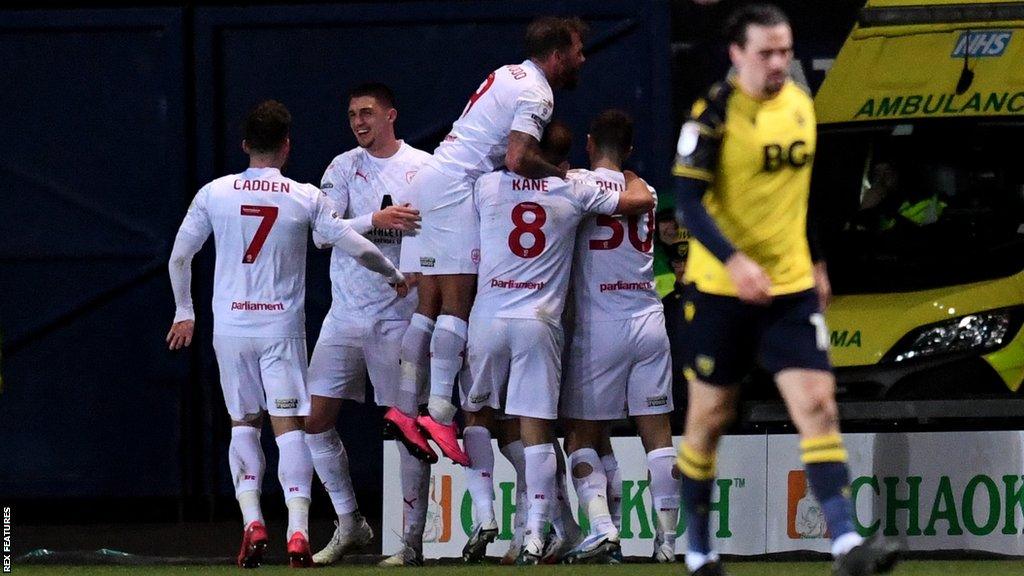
{"x": 637, "y": 197}
{"x": 822, "y": 285}
{"x": 524, "y": 157}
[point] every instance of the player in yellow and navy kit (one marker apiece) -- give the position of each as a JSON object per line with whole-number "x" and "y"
{"x": 743, "y": 171}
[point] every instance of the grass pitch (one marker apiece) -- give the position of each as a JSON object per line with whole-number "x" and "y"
{"x": 909, "y": 568}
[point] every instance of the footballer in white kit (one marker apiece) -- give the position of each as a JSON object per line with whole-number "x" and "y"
{"x": 363, "y": 330}
{"x": 515, "y": 335}
{"x": 501, "y": 124}
{"x": 619, "y": 362}
{"x": 528, "y": 229}
{"x": 515, "y": 98}
{"x": 260, "y": 222}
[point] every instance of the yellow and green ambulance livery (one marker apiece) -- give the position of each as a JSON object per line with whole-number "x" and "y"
{"x": 919, "y": 181}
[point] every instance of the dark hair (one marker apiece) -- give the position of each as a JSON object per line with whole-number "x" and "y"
{"x": 666, "y": 215}
{"x": 556, "y": 142}
{"x": 266, "y": 127}
{"x": 377, "y": 90}
{"x": 752, "y": 14}
{"x": 612, "y": 132}
{"x": 549, "y": 33}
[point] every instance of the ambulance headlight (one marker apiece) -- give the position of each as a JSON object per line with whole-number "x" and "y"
{"x": 976, "y": 333}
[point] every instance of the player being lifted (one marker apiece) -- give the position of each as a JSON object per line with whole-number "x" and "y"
{"x": 527, "y": 233}
{"x": 619, "y": 362}
{"x": 500, "y": 125}
{"x": 743, "y": 175}
{"x": 260, "y": 221}
{"x": 363, "y": 330}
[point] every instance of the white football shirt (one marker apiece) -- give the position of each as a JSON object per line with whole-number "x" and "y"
{"x": 613, "y": 270}
{"x": 527, "y": 233}
{"x": 359, "y": 183}
{"x": 260, "y": 222}
{"x": 513, "y": 97}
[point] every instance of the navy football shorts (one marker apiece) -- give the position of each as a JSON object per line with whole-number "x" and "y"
{"x": 724, "y": 337}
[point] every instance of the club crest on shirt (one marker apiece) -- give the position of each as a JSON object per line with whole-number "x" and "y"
{"x": 409, "y": 175}
{"x": 705, "y": 364}
{"x": 688, "y": 138}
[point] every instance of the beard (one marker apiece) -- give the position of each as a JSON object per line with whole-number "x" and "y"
{"x": 774, "y": 84}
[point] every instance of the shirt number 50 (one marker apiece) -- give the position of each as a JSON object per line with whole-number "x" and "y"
{"x": 613, "y": 241}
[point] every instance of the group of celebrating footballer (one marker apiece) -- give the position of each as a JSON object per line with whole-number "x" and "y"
{"x": 491, "y": 234}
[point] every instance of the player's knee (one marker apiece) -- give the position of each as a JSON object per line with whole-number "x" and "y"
{"x": 821, "y": 409}
{"x": 721, "y": 418}
{"x": 483, "y": 417}
{"x": 582, "y": 470}
{"x": 254, "y": 420}
{"x": 316, "y": 423}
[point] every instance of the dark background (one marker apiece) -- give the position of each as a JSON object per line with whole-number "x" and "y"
{"x": 114, "y": 117}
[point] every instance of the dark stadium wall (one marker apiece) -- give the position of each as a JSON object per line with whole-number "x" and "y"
{"x": 116, "y": 117}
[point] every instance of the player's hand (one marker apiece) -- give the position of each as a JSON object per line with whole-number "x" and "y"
{"x": 822, "y": 286}
{"x": 412, "y": 279}
{"x": 402, "y": 288}
{"x": 180, "y": 334}
{"x": 629, "y": 175}
{"x": 753, "y": 284}
{"x": 404, "y": 217}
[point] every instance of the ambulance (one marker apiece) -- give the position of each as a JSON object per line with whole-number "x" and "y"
{"x": 919, "y": 189}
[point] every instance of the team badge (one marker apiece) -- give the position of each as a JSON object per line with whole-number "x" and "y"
{"x": 705, "y": 364}
{"x": 688, "y": 138}
{"x": 689, "y": 310}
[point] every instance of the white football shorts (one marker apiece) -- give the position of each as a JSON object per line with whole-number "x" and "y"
{"x": 347, "y": 350}
{"x": 618, "y": 368}
{"x": 258, "y": 374}
{"x": 514, "y": 364}
{"x": 449, "y": 238}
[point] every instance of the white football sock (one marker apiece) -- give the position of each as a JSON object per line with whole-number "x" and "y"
{"x": 247, "y": 463}
{"x": 513, "y": 452}
{"x": 295, "y": 472}
{"x": 665, "y": 492}
{"x": 540, "y": 486}
{"x": 614, "y": 476}
{"x": 476, "y": 441}
{"x": 447, "y": 347}
{"x": 415, "y": 359}
{"x": 331, "y": 464}
{"x": 415, "y": 475}
{"x": 592, "y": 490}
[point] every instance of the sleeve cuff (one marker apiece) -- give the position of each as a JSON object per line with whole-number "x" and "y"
{"x": 182, "y": 314}
{"x": 362, "y": 224}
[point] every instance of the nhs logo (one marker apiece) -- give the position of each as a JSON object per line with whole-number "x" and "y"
{"x": 989, "y": 43}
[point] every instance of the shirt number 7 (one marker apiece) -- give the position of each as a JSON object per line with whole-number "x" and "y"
{"x": 269, "y": 215}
